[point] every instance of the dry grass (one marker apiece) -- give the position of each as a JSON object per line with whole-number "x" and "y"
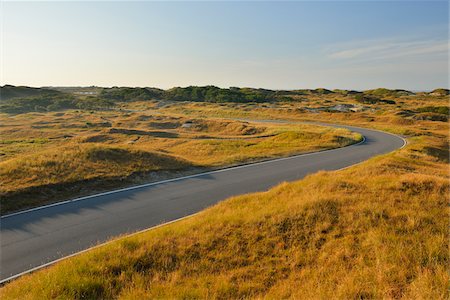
{"x": 381, "y": 116}
{"x": 282, "y": 142}
{"x": 103, "y": 151}
{"x": 36, "y": 179}
{"x": 377, "y": 230}
{"x": 82, "y": 162}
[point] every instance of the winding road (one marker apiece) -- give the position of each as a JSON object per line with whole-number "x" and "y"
{"x": 37, "y": 237}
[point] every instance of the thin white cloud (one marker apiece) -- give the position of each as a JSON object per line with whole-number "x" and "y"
{"x": 389, "y": 49}
{"x": 356, "y": 52}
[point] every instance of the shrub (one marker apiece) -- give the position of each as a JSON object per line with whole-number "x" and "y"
{"x": 444, "y": 110}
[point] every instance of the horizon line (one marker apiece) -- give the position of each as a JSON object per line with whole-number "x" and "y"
{"x": 273, "y": 89}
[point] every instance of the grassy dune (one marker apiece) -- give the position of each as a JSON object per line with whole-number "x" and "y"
{"x": 36, "y": 179}
{"x": 41, "y": 165}
{"x": 376, "y": 230}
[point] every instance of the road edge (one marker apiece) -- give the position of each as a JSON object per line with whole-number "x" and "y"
{"x": 6, "y": 280}
{"x": 239, "y": 166}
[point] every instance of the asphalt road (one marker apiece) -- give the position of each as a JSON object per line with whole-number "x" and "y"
{"x": 36, "y": 237}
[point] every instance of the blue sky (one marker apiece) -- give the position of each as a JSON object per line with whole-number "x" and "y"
{"x": 280, "y": 45}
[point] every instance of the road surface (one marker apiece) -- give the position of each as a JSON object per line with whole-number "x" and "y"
{"x": 36, "y": 237}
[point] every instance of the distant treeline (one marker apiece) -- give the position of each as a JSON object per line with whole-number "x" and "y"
{"x": 8, "y": 92}
{"x": 24, "y": 99}
{"x": 197, "y": 94}
{"x": 213, "y": 94}
{"x": 52, "y": 102}
{"x": 18, "y": 99}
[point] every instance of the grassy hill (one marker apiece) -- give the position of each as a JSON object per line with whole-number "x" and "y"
{"x": 47, "y": 157}
{"x": 20, "y": 99}
{"x": 440, "y": 92}
{"x": 382, "y": 92}
{"x": 375, "y": 230}
{"x": 31, "y": 180}
{"x": 8, "y": 92}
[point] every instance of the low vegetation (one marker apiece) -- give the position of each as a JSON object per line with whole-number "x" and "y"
{"x": 8, "y": 92}
{"x": 382, "y": 92}
{"x": 440, "y": 92}
{"x": 369, "y": 99}
{"x": 376, "y": 230}
{"x": 53, "y": 102}
{"x": 62, "y": 172}
{"x": 103, "y": 151}
{"x": 443, "y": 110}
{"x": 332, "y": 235}
{"x": 131, "y": 94}
{"x": 24, "y": 99}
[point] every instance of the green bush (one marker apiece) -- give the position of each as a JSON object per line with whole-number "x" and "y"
{"x": 52, "y": 102}
{"x": 47, "y": 102}
{"x": 444, "y": 110}
{"x": 369, "y": 99}
{"x": 216, "y": 94}
{"x": 94, "y": 103}
{"x": 382, "y": 92}
{"x": 8, "y": 92}
{"x": 127, "y": 94}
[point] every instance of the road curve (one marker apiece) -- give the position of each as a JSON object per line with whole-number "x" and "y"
{"x": 36, "y": 237}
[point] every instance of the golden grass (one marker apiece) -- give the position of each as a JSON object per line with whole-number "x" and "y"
{"x": 55, "y": 174}
{"x": 133, "y": 148}
{"x": 376, "y": 230}
{"x": 80, "y": 163}
{"x": 384, "y": 117}
{"x": 282, "y": 142}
